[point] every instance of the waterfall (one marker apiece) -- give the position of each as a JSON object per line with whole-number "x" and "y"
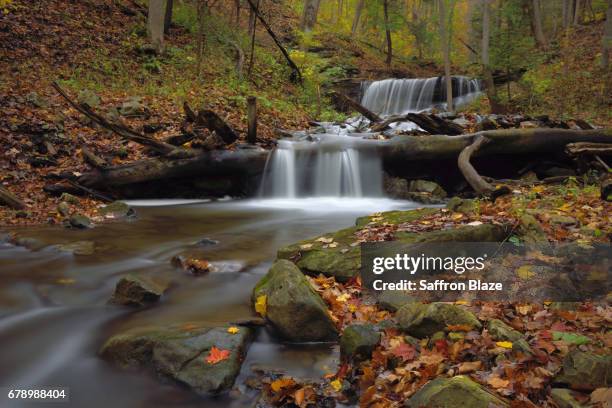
{"x": 400, "y": 96}
{"x": 333, "y": 166}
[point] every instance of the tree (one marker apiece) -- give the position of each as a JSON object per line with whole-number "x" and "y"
{"x": 155, "y": 24}
{"x": 388, "y": 33}
{"x": 168, "y": 16}
{"x": 486, "y": 63}
{"x": 607, "y": 38}
{"x": 310, "y": 13}
{"x": 357, "y": 17}
{"x": 537, "y": 25}
{"x": 445, "y": 45}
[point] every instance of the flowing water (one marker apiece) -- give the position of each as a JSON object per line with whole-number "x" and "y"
{"x": 54, "y": 314}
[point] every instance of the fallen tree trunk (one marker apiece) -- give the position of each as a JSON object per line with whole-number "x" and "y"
{"x": 599, "y": 149}
{"x": 212, "y": 163}
{"x": 430, "y": 123}
{"x": 11, "y": 200}
{"x": 503, "y": 141}
{"x": 469, "y": 172}
{"x": 356, "y": 106}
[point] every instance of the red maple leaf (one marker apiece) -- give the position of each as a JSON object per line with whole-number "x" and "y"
{"x": 216, "y": 355}
{"x": 404, "y": 351}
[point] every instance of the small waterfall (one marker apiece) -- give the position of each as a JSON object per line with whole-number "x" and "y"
{"x": 334, "y": 166}
{"x": 400, "y": 96}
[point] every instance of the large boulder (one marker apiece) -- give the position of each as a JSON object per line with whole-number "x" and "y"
{"x": 293, "y": 307}
{"x": 425, "y": 186}
{"x": 358, "y": 341}
{"x": 136, "y": 290}
{"x": 564, "y": 398}
{"x": 459, "y": 391}
{"x": 180, "y": 353}
{"x": 583, "y": 370}
{"x": 421, "y": 320}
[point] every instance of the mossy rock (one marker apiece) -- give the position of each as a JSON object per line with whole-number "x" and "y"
{"x": 395, "y": 217}
{"x": 468, "y": 233}
{"x": 564, "y": 398}
{"x": 420, "y": 320}
{"x": 393, "y": 300}
{"x": 179, "y": 354}
{"x": 531, "y": 231}
{"x": 116, "y": 209}
{"x": 459, "y": 391}
{"x": 583, "y": 370}
{"x": 293, "y": 307}
{"x": 463, "y": 206}
{"x": 136, "y": 290}
{"x": 502, "y": 332}
{"x": 358, "y": 341}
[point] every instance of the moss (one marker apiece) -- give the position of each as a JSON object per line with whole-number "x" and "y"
{"x": 459, "y": 391}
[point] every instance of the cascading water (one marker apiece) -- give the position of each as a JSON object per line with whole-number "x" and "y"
{"x": 333, "y": 166}
{"x": 400, "y": 96}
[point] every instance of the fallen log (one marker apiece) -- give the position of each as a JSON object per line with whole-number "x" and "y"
{"x": 213, "y": 122}
{"x": 213, "y": 163}
{"x": 435, "y": 125}
{"x": 469, "y": 172}
{"x": 606, "y": 188}
{"x": 90, "y": 158}
{"x": 356, "y": 106}
{"x": 599, "y": 149}
{"x": 503, "y": 141}
{"x": 11, "y": 200}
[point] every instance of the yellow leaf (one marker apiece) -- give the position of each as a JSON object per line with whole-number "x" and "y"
{"x": 457, "y": 216}
{"x": 343, "y": 297}
{"x": 65, "y": 281}
{"x": 525, "y": 272}
{"x": 261, "y": 305}
{"x": 504, "y": 344}
{"x": 281, "y": 383}
{"x": 336, "y": 385}
{"x": 537, "y": 189}
{"x": 233, "y": 330}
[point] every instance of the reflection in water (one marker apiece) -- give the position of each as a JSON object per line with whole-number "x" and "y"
{"x": 54, "y": 316}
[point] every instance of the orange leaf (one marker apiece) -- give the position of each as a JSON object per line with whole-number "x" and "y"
{"x": 216, "y": 355}
{"x": 281, "y": 383}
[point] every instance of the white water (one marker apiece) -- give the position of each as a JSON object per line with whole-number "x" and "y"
{"x": 400, "y": 96}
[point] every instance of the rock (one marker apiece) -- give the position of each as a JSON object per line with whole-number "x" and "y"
{"x": 358, "y": 341}
{"x": 295, "y": 310}
{"x": 488, "y": 123}
{"x": 529, "y": 124}
{"x": 80, "y": 221}
{"x": 463, "y": 122}
{"x": 207, "y": 242}
{"x": 420, "y": 320}
{"x": 116, "y": 209}
{"x": 180, "y": 354}
{"x": 459, "y": 391}
{"x": 133, "y": 107}
{"x": 531, "y": 231}
{"x": 70, "y": 199}
{"x": 37, "y": 100}
{"x": 502, "y": 332}
{"x": 460, "y": 205}
{"x": 583, "y": 370}
{"x": 78, "y": 248}
{"x": 63, "y": 208}
{"x": 32, "y": 244}
{"x": 133, "y": 290}
{"x": 530, "y": 176}
{"x": 563, "y": 220}
{"x": 396, "y": 187}
{"x": 424, "y": 186}
{"x": 393, "y": 300}
{"x": 89, "y": 97}
{"x": 564, "y": 398}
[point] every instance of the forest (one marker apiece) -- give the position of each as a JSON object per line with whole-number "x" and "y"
{"x": 197, "y": 198}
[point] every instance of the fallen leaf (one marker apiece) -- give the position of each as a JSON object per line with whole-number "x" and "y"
{"x": 504, "y": 344}
{"x": 469, "y": 367}
{"x": 217, "y": 355}
{"x": 281, "y": 383}
{"x": 404, "y": 351}
{"x": 336, "y": 385}
{"x": 261, "y": 305}
{"x": 233, "y": 330}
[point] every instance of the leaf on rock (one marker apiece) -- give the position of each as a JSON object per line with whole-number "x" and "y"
{"x": 504, "y": 344}
{"x": 233, "y": 330}
{"x": 217, "y": 355}
{"x": 261, "y": 305}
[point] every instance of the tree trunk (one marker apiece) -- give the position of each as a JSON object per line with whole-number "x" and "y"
{"x": 537, "y": 25}
{"x": 388, "y": 33}
{"x": 357, "y": 17}
{"x": 607, "y": 38}
{"x": 484, "y": 54}
{"x": 168, "y": 16}
{"x": 155, "y": 24}
{"x": 356, "y": 106}
{"x": 445, "y": 42}
{"x": 310, "y": 13}
{"x": 577, "y": 12}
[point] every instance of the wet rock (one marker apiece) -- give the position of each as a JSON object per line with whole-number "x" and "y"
{"x": 116, "y": 209}
{"x": 133, "y": 290}
{"x": 422, "y": 320}
{"x": 32, "y": 244}
{"x": 89, "y": 97}
{"x": 63, "y": 208}
{"x": 463, "y": 122}
{"x": 502, "y": 332}
{"x": 80, "y": 222}
{"x": 460, "y": 205}
{"x": 207, "y": 242}
{"x": 583, "y": 370}
{"x": 396, "y": 187}
{"x": 294, "y": 309}
{"x": 180, "y": 354}
{"x": 133, "y": 107}
{"x": 358, "y": 341}
{"x": 564, "y": 398}
{"x": 70, "y": 199}
{"x": 78, "y": 248}
{"x": 425, "y": 186}
{"x": 529, "y": 124}
{"x": 459, "y": 391}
